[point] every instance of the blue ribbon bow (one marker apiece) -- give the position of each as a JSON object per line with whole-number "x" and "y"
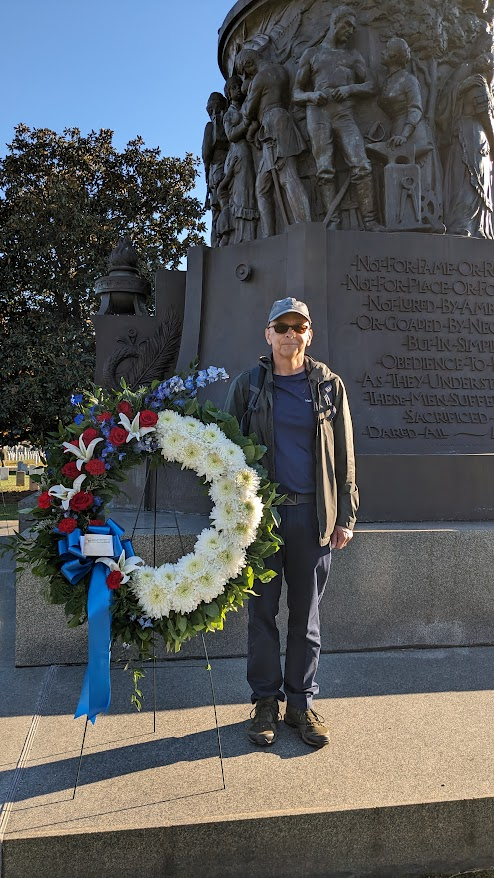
{"x": 96, "y": 689}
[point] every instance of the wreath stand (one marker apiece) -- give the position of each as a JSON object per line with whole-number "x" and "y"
{"x": 208, "y": 667}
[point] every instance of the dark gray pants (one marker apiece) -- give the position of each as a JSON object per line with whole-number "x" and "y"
{"x": 306, "y": 567}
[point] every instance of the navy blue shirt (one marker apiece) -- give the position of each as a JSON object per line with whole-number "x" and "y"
{"x": 294, "y": 424}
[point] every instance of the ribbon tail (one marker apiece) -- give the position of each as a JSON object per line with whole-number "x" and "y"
{"x": 96, "y": 689}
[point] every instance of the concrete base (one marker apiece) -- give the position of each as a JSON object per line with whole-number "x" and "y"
{"x": 395, "y": 586}
{"x": 404, "y": 789}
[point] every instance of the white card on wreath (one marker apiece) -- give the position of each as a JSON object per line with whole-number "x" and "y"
{"x": 93, "y": 545}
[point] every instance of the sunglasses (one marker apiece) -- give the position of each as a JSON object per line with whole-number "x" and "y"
{"x": 282, "y": 328}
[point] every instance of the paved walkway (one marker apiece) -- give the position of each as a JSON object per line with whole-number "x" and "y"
{"x": 406, "y": 787}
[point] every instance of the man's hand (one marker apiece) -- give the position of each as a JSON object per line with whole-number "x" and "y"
{"x": 340, "y": 537}
{"x": 317, "y": 98}
{"x": 342, "y": 92}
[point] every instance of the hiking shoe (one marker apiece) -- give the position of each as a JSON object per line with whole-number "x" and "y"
{"x": 265, "y": 715}
{"x": 310, "y": 725}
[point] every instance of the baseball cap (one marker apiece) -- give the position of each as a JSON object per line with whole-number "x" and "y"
{"x": 284, "y": 306}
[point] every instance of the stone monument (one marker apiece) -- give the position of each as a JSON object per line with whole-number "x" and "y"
{"x": 349, "y": 164}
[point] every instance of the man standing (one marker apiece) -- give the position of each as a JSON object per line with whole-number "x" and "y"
{"x": 266, "y": 115}
{"x": 329, "y": 77}
{"x": 300, "y": 412}
{"x": 215, "y": 147}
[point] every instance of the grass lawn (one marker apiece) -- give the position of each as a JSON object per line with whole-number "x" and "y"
{"x": 10, "y": 494}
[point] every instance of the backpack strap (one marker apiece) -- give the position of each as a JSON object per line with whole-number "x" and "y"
{"x": 256, "y": 381}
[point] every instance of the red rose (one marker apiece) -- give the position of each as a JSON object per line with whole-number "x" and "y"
{"x": 103, "y": 416}
{"x": 70, "y": 470}
{"x": 67, "y": 525}
{"x": 81, "y": 501}
{"x": 148, "y": 418}
{"x": 44, "y": 500}
{"x": 89, "y": 435}
{"x": 125, "y": 408}
{"x": 118, "y": 436}
{"x": 96, "y": 522}
{"x": 95, "y": 467}
{"x": 114, "y": 579}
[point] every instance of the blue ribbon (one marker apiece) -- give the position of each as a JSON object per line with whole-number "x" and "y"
{"x": 96, "y": 689}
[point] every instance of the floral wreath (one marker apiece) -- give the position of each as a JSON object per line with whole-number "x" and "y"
{"x": 116, "y": 593}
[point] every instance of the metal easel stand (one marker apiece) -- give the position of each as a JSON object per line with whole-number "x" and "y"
{"x": 208, "y": 667}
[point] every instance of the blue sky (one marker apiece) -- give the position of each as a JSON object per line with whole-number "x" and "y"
{"x": 138, "y": 68}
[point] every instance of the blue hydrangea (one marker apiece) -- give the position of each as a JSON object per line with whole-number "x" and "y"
{"x": 76, "y": 399}
{"x": 189, "y": 383}
{"x": 97, "y": 502}
{"x": 79, "y": 418}
{"x": 202, "y": 378}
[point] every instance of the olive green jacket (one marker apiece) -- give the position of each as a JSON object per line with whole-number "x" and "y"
{"x": 336, "y": 491}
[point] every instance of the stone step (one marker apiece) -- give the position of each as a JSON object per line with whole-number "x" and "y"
{"x": 395, "y": 586}
{"x": 406, "y": 787}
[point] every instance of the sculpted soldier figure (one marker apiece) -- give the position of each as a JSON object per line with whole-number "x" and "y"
{"x": 329, "y": 77}
{"x": 401, "y": 100}
{"x": 468, "y": 179}
{"x": 239, "y": 179}
{"x": 265, "y": 111}
{"x": 214, "y": 151}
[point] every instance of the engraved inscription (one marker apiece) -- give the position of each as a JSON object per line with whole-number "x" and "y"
{"x": 435, "y": 322}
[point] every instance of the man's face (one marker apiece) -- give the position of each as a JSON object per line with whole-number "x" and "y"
{"x": 250, "y": 67}
{"x": 289, "y": 344}
{"x": 344, "y": 28}
{"x": 213, "y": 109}
{"x": 235, "y": 91}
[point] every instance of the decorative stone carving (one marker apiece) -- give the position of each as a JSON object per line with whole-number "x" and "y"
{"x": 142, "y": 360}
{"x": 122, "y": 290}
{"x": 412, "y": 177}
{"x": 272, "y": 128}
{"x": 214, "y": 152}
{"x": 329, "y": 78}
{"x": 239, "y": 180}
{"x": 468, "y": 180}
{"x": 355, "y": 108}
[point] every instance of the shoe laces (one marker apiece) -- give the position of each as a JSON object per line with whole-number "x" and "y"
{"x": 313, "y": 718}
{"x": 265, "y": 710}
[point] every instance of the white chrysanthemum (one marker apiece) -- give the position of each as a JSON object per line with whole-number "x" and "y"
{"x": 167, "y": 419}
{"x": 208, "y": 542}
{"x": 191, "y": 566}
{"x": 243, "y": 533}
{"x": 185, "y": 598}
{"x": 247, "y": 480}
{"x": 144, "y": 577}
{"x": 250, "y": 510}
{"x": 166, "y": 575}
{"x": 224, "y": 490}
{"x": 191, "y": 455}
{"x": 192, "y": 427}
{"x": 214, "y": 465}
{"x": 234, "y": 457}
{"x": 209, "y": 587}
{"x": 172, "y": 444}
{"x": 212, "y": 435}
{"x": 225, "y": 515}
{"x": 232, "y": 560}
{"x": 156, "y": 600}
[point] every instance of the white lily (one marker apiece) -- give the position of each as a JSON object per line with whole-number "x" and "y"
{"x": 65, "y": 494}
{"x": 133, "y": 429}
{"x": 123, "y": 565}
{"x": 83, "y": 453}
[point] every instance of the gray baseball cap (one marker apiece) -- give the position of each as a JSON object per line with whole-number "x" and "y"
{"x": 284, "y": 306}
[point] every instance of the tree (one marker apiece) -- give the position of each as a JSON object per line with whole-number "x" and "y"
{"x": 65, "y": 201}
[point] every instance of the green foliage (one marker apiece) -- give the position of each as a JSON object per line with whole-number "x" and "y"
{"x": 65, "y": 200}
